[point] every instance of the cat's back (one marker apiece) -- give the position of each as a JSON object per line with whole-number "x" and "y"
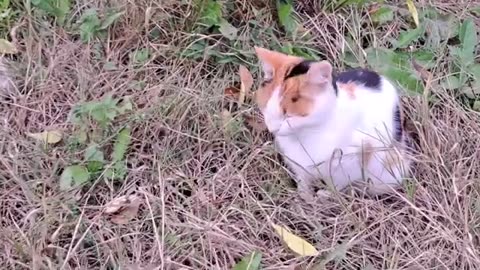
{"x": 369, "y": 94}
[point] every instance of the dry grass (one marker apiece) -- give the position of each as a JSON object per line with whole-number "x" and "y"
{"x": 208, "y": 195}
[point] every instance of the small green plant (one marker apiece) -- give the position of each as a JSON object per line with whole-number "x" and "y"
{"x": 224, "y": 44}
{"x": 92, "y": 26}
{"x": 464, "y": 72}
{"x": 421, "y": 46}
{"x": 59, "y": 9}
{"x": 94, "y": 161}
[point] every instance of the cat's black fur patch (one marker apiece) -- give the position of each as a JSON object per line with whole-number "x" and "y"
{"x": 397, "y": 122}
{"x": 299, "y": 69}
{"x": 366, "y": 77}
{"x": 302, "y": 68}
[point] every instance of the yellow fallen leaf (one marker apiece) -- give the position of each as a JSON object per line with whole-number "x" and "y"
{"x": 7, "y": 47}
{"x": 123, "y": 209}
{"x": 413, "y": 11}
{"x": 295, "y": 243}
{"x": 246, "y": 81}
{"x": 50, "y": 137}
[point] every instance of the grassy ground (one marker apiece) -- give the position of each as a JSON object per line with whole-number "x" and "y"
{"x": 206, "y": 181}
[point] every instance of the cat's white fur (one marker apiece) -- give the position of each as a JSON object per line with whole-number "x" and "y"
{"x": 326, "y": 143}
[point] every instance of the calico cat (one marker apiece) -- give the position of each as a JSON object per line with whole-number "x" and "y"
{"x": 343, "y": 129}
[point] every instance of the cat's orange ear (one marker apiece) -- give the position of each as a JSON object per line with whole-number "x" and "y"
{"x": 320, "y": 73}
{"x": 270, "y": 61}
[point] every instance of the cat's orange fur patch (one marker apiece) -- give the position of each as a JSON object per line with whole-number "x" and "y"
{"x": 349, "y": 88}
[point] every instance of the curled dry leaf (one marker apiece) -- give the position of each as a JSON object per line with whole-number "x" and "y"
{"x": 50, "y": 137}
{"x": 295, "y": 243}
{"x": 246, "y": 83}
{"x": 123, "y": 209}
{"x": 232, "y": 92}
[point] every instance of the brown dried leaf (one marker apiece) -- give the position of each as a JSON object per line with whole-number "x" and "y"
{"x": 246, "y": 80}
{"x": 232, "y": 92}
{"x": 123, "y": 209}
{"x": 424, "y": 74}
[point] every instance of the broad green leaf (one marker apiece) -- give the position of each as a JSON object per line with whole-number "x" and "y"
{"x": 73, "y": 176}
{"x": 468, "y": 36}
{"x": 464, "y": 58}
{"x": 413, "y": 11}
{"x": 295, "y": 243}
{"x": 425, "y": 58}
{"x": 121, "y": 145}
{"x": 405, "y": 78}
{"x": 89, "y": 25}
{"x": 110, "y": 19}
{"x": 396, "y": 67}
{"x": 93, "y": 153}
{"x": 117, "y": 171}
{"x": 50, "y": 137}
{"x": 285, "y": 15}
{"x": 56, "y": 8}
{"x": 140, "y": 56}
{"x": 7, "y": 47}
{"x": 227, "y": 30}
{"x": 428, "y": 12}
{"x": 349, "y": 59}
{"x": 211, "y": 13}
{"x": 103, "y": 111}
{"x": 382, "y": 15}
{"x": 249, "y": 262}
{"x": 452, "y": 82}
{"x": 94, "y": 166}
{"x": 63, "y": 8}
{"x": 405, "y": 38}
{"x": 475, "y": 71}
{"x": 379, "y": 58}
{"x": 4, "y": 5}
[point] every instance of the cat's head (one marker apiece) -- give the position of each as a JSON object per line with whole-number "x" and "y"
{"x": 295, "y": 93}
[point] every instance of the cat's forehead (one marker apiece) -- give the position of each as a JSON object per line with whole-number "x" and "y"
{"x": 288, "y": 74}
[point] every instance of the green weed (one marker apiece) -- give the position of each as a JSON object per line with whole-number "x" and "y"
{"x": 94, "y": 161}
